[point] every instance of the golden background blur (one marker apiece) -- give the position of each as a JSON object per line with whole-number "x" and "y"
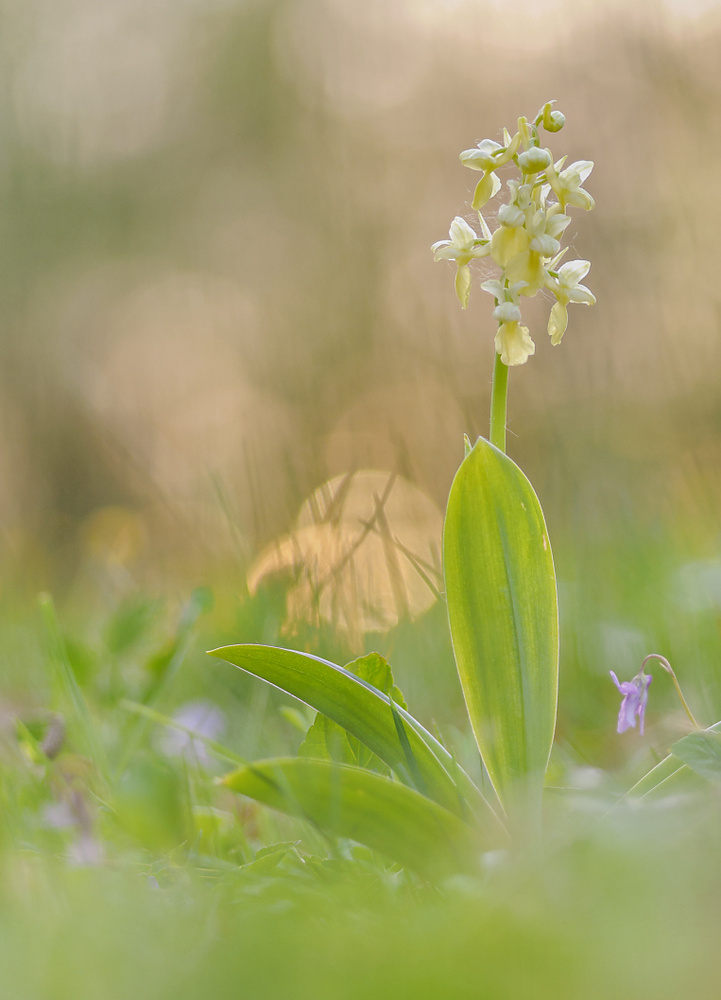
{"x": 218, "y": 292}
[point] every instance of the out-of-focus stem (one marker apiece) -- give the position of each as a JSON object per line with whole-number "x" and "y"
{"x": 669, "y": 670}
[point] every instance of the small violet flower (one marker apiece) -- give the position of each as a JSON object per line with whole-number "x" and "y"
{"x": 203, "y": 718}
{"x": 635, "y": 696}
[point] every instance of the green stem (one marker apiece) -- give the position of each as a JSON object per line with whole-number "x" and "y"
{"x": 669, "y": 670}
{"x": 499, "y": 395}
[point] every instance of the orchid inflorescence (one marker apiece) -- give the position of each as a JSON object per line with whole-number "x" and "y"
{"x": 526, "y": 244}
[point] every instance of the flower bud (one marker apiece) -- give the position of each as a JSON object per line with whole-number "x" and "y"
{"x": 533, "y": 160}
{"x": 553, "y": 121}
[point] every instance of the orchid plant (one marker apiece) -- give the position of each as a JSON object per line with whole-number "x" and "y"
{"x": 368, "y": 770}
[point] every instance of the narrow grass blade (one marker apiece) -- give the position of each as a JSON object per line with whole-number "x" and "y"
{"x": 502, "y": 608}
{"x": 351, "y": 802}
{"x": 87, "y": 732}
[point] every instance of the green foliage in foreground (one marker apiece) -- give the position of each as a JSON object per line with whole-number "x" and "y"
{"x": 631, "y": 910}
{"x": 183, "y": 889}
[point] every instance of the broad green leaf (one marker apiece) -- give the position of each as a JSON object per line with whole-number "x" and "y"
{"x": 668, "y": 774}
{"x": 702, "y": 753}
{"x": 376, "y": 670}
{"x": 502, "y": 608}
{"x": 351, "y": 802}
{"x": 365, "y": 713}
{"x": 326, "y": 740}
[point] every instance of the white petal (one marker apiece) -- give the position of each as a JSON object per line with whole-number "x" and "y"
{"x": 495, "y": 287}
{"x": 573, "y": 271}
{"x": 581, "y": 199}
{"x": 461, "y": 233}
{"x": 511, "y": 215}
{"x": 475, "y": 159}
{"x": 481, "y": 250}
{"x": 538, "y": 223}
{"x": 507, "y": 312}
{"x": 581, "y": 294}
{"x": 556, "y": 224}
{"x": 448, "y": 253}
{"x": 515, "y": 289}
{"x": 582, "y": 167}
{"x": 545, "y": 245}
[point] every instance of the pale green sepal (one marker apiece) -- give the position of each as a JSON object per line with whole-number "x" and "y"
{"x": 502, "y": 607}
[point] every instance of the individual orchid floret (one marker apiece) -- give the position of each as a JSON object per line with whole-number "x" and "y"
{"x": 566, "y": 184}
{"x": 463, "y": 246}
{"x": 565, "y": 285}
{"x": 513, "y": 340}
{"x": 635, "y": 696}
{"x": 488, "y": 156}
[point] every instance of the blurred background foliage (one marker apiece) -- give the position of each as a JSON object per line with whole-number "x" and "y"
{"x": 233, "y": 389}
{"x": 227, "y": 357}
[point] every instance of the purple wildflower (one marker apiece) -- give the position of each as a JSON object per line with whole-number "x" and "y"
{"x": 635, "y": 696}
{"x": 202, "y": 718}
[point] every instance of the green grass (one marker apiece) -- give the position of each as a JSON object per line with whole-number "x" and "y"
{"x": 178, "y": 891}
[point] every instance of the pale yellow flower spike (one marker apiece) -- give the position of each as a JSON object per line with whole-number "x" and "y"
{"x": 526, "y": 243}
